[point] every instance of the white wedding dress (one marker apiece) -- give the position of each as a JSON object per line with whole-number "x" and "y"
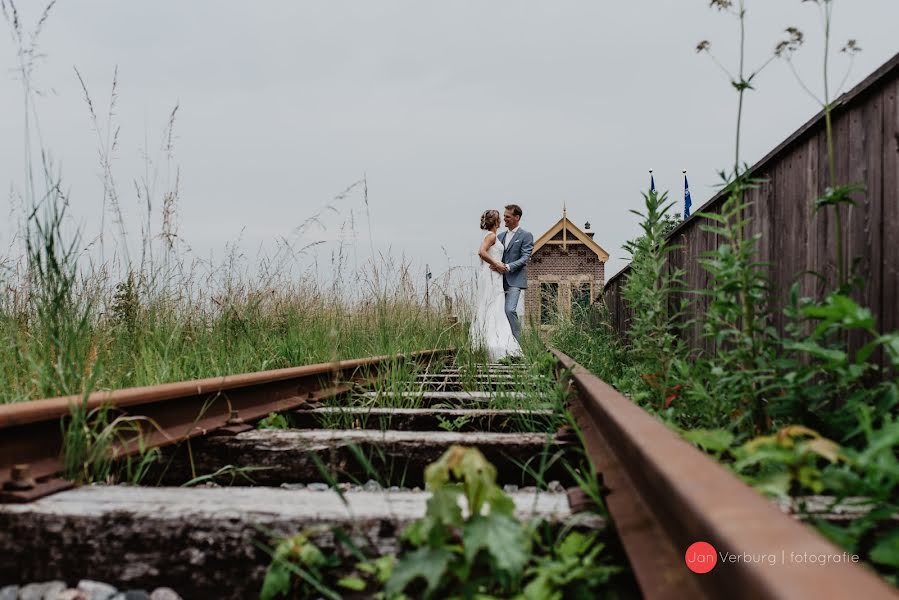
{"x": 490, "y": 327}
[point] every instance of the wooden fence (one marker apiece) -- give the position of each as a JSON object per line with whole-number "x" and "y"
{"x": 794, "y": 240}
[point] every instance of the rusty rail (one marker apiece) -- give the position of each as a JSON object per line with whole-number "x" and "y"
{"x": 31, "y": 433}
{"x": 663, "y": 495}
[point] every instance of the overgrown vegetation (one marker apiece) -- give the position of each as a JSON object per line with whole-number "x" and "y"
{"x": 651, "y": 333}
{"x": 94, "y": 439}
{"x": 796, "y": 413}
{"x": 469, "y": 544}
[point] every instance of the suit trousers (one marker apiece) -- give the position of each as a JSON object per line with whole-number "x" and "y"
{"x": 512, "y": 296}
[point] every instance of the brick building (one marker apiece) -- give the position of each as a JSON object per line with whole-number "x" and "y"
{"x": 566, "y": 268}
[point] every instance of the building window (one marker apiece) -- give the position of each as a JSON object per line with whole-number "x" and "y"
{"x": 581, "y": 296}
{"x": 549, "y": 302}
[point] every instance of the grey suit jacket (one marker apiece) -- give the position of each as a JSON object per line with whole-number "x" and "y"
{"x": 516, "y": 255}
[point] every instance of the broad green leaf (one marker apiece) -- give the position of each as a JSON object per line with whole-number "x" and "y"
{"x": 416, "y": 533}
{"x": 891, "y": 343}
{"x": 504, "y": 538}
{"x": 717, "y": 230}
{"x": 786, "y": 434}
{"x": 479, "y": 477}
{"x": 890, "y": 396}
{"x": 842, "y": 536}
{"x": 829, "y": 354}
{"x": 715, "y": 440}
{"x": 541, "y": 588}
{"x": 366, "y": 567}
{"x": 443, "y": 506}
{"x": 886, "y": 551}
{"x": 309, "y": 554}
{"x": 437, "y": 473}
{"x": 500, "y": 502}
{"x": 290, "y": 552}
{"x": 468, "y": 465}
{"x": 352, "y": 583}
{"x": 865, "y": 351}
{"x": 715, "y": 217}
{"x": 810, "y": 478}
{"x": 826, "y": 448}
{"x": 428, "y": 563}
{"x": 277, "y": 581}
{"x": 575, "y": 544}
{"x": 774, "y": 485}
{"x": 385, "y": 566}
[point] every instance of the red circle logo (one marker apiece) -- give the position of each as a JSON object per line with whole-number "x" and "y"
{"x": 701, "y": 557}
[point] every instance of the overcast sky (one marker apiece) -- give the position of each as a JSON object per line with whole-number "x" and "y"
{"x": 448, "y": 108}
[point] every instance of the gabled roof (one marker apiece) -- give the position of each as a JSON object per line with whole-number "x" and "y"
{"x": 574, "y": 231}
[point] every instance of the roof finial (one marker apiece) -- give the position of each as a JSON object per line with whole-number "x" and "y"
{"x": 564, "y": 210}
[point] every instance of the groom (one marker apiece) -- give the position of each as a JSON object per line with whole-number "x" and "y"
{"x": 518, "y": 245}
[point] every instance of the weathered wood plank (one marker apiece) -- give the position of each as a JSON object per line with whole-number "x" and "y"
{"x": 801, "y": 216}
{"x": 483, "y": 370}
{"x": 425, "y": 398}
{"x": 866, "y": 140}
{"x": 413, "y": 419}
{"x": 818, "y": 260}
{"x": 489, "y": 377}
{"x": 873, "y": 241}
{"x": 842, "y": 147}
{"x": 863, "y": 243}
{"x": 889, "y": 315}
{"x": 432, "y": 387}
{"x": 695, "y": 282}
{"x": 202, "y": 542}
{"x": 827, "y": 508}
{"x": 675, "y": 263}
{"x": 392, "y": 457}
{"x": 780, "y": 177}
{"x": 488, "y": 368}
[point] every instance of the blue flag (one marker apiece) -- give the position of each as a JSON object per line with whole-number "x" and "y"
{"x": 652, "y": 182}
{"x": 688, "y": 201}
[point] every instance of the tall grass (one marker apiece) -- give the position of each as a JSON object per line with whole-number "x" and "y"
{"x": 55, "y": 326}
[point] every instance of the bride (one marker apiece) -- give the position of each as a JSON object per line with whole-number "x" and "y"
{"x": 490, "y": 327}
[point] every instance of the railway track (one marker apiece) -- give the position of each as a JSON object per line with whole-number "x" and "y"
{"x": 367, "y": 429}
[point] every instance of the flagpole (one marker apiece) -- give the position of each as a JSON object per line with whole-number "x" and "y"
{"x": 688, "y": 200}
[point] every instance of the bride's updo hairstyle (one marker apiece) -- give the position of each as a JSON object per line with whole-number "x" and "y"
{"x": 489, "y": 219}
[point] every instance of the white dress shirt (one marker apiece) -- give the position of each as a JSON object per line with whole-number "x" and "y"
{"x": 509, "y": 237}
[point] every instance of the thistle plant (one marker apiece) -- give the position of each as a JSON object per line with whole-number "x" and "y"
{"x": 652, "y": 340}
{"x": 835, "y": 195}
{"x": 741, "y": 372}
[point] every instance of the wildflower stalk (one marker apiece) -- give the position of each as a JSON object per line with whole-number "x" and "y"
{"x": 737, "y": 182}
{"x": 741, "y": 89}
{"x": 831, "y": 155}
{"x": 835, "y": 196}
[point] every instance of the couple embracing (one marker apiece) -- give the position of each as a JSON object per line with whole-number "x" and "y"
{"x": 503, "y": 273}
